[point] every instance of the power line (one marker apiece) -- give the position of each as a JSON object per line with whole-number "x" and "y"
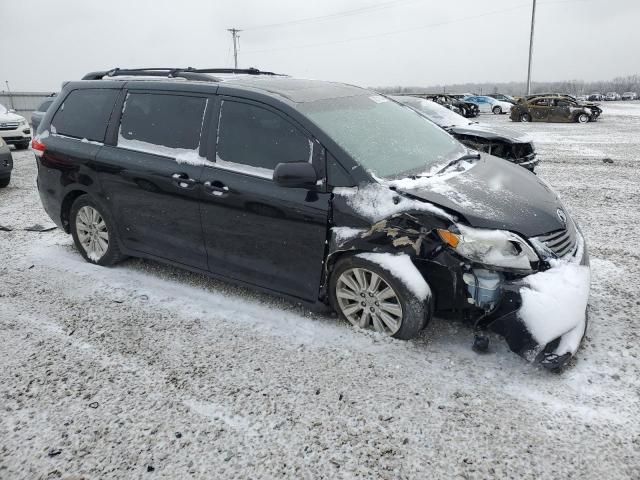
{"x": 394, "y": 32}
{"x": 331, "y": 16}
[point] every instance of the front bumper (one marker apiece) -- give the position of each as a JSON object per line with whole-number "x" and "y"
{"x": 543, "y": 316}
{"x": 529, "y": 162}
{"x": 19, "y": 135}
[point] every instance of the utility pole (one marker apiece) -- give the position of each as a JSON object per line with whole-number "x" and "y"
{"x": 533, "y": 21}
{"x": 234, "y": 34}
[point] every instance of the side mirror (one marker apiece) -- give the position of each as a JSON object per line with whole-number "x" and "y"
{"x": 295, "y": 175}
{"x": 11, "y": 110}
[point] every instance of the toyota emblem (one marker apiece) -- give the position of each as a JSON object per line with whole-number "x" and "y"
{"x": 562, "y": 216}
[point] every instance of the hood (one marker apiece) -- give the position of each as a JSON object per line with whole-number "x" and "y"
{"x": 10, "y": 117}
{"x": 491, "y": 132}
{"x": 491, "y": 193}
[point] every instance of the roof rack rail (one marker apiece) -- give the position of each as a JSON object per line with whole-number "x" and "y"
{"x": 188, "y": 73}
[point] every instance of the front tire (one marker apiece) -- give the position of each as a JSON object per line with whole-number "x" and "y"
{"x": 4, "y": 182}
{"x": 525, "y": 117}
{"x": 368, "y": 296}
{"x": 22, "y": 146}
{"x": 583, "y": 118}
{"x": 497, "y": 110}
{"x": 93, "y": 232}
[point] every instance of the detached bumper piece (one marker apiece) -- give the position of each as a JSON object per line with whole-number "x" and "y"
{"x": 543, "y": 317}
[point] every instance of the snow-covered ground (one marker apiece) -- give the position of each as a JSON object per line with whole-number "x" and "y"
{"x": 146, "y": 371}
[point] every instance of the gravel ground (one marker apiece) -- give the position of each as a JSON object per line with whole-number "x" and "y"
{"x": 146, "y": 371}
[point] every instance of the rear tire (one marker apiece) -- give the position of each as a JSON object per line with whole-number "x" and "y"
{"x": 4, "y": 182}
{"x": 525, "y": 117}
{"x": 496, "y": 110}
{"x": 397, "y": 313}
{"x": 93, "y": 231}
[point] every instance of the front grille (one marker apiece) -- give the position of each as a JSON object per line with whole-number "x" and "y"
{"x": 9, "y": 126}
{"x": 561, "y": 242}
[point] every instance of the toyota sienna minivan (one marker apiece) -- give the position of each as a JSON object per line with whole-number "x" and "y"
{"x": 323, "y": 193}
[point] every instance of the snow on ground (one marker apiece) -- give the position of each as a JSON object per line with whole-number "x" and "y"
{"x": 146, "y": 371}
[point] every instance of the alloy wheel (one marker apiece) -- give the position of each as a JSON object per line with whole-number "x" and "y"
{"x": 92, "y": 232}
{"x": 368, "y": 301}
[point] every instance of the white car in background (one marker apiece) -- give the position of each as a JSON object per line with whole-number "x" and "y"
{"x": 14, "y": 129}
{"x": 489, "y": 105}
{"x": 629, "y": 96}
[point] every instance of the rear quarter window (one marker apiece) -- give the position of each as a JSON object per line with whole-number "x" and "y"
{"x": 85, "y": 114}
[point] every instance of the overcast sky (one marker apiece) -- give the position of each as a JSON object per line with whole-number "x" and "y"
{"x": 366, "y": 42}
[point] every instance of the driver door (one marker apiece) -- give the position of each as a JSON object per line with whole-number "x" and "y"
{"x": 255, "y": 230}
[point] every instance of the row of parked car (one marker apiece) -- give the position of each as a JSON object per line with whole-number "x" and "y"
{"x": 541, "y": 107}
{"x": 609, "y": 96}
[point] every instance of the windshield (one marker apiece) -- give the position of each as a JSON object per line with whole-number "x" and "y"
{"x": 387, "y": 139}
{"x": 436, "y": 113}
{"x": 3, "y": 109}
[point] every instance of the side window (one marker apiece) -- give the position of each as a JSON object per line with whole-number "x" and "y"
{"x": 161, "y": 124}
{"x": 254, "y": 140}
{"x": 85, "y": 114}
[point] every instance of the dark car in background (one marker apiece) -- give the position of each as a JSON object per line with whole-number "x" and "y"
{"x": 324, "y": 193}
{"x": 554, "y": 108}
{"x": 596, "y": 97}
{"x": 38, "y": 115}
{"x": 6, "y": 164}
{"x": 499, "y": 141}
{"x": 466, "y": 109}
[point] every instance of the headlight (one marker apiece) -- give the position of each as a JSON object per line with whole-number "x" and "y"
{"x": 495, "y": 248}
{"x": 24, "y": 122}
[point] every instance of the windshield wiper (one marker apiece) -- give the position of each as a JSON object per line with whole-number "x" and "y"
{"x": 455, "y": 161}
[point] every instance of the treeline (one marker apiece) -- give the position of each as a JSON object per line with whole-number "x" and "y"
{"x": 630, "y": 83}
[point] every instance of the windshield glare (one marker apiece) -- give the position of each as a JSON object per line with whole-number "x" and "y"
{"x": 3, "y": 109}
{"x": 436, "y": 113}
{"x": 387, "y": 139}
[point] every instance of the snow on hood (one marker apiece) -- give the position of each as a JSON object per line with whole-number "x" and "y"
{"x": 491, "y": 193}
{"x": 10, "y": 117}
{"x": 375, "y": 202}
{"x": 492, "y": 132}
{"x": 554, "y": 302}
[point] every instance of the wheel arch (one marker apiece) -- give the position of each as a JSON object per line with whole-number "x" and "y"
{"x": 65, "y": 207}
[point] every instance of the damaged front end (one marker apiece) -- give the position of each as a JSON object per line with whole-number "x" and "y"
{"x": 540, "y": 311}
{"x": 533, "y": 292}
{"x": 520, "y": 153}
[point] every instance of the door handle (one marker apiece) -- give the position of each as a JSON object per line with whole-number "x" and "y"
{"x": 216, "y": 188}
{"x": 183, "y": 180}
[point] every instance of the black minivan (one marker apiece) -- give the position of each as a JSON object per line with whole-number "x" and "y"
{"x": 325, "y": 193}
